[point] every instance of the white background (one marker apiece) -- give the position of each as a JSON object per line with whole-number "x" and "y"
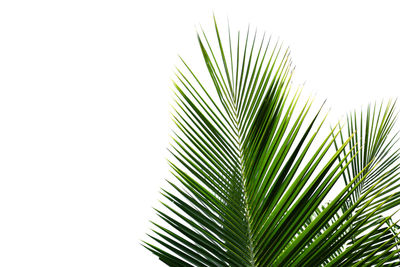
{"x": 84, "y": 107}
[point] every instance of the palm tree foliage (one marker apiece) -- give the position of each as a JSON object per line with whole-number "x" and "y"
{"x": 251, "y": 178}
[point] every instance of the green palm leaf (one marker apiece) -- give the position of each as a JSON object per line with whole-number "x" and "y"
{"x": 250, "y": 179}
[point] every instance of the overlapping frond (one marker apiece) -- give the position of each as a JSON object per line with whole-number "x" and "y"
{"x": 376, "y": 140}
{"x": 250, "y": 179}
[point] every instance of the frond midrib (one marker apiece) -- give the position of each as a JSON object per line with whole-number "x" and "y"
{"x": 239, "y": 139}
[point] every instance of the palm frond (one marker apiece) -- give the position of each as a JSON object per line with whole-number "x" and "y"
{"x": 250, "y": 179}
{"x": 375, "y": 135}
